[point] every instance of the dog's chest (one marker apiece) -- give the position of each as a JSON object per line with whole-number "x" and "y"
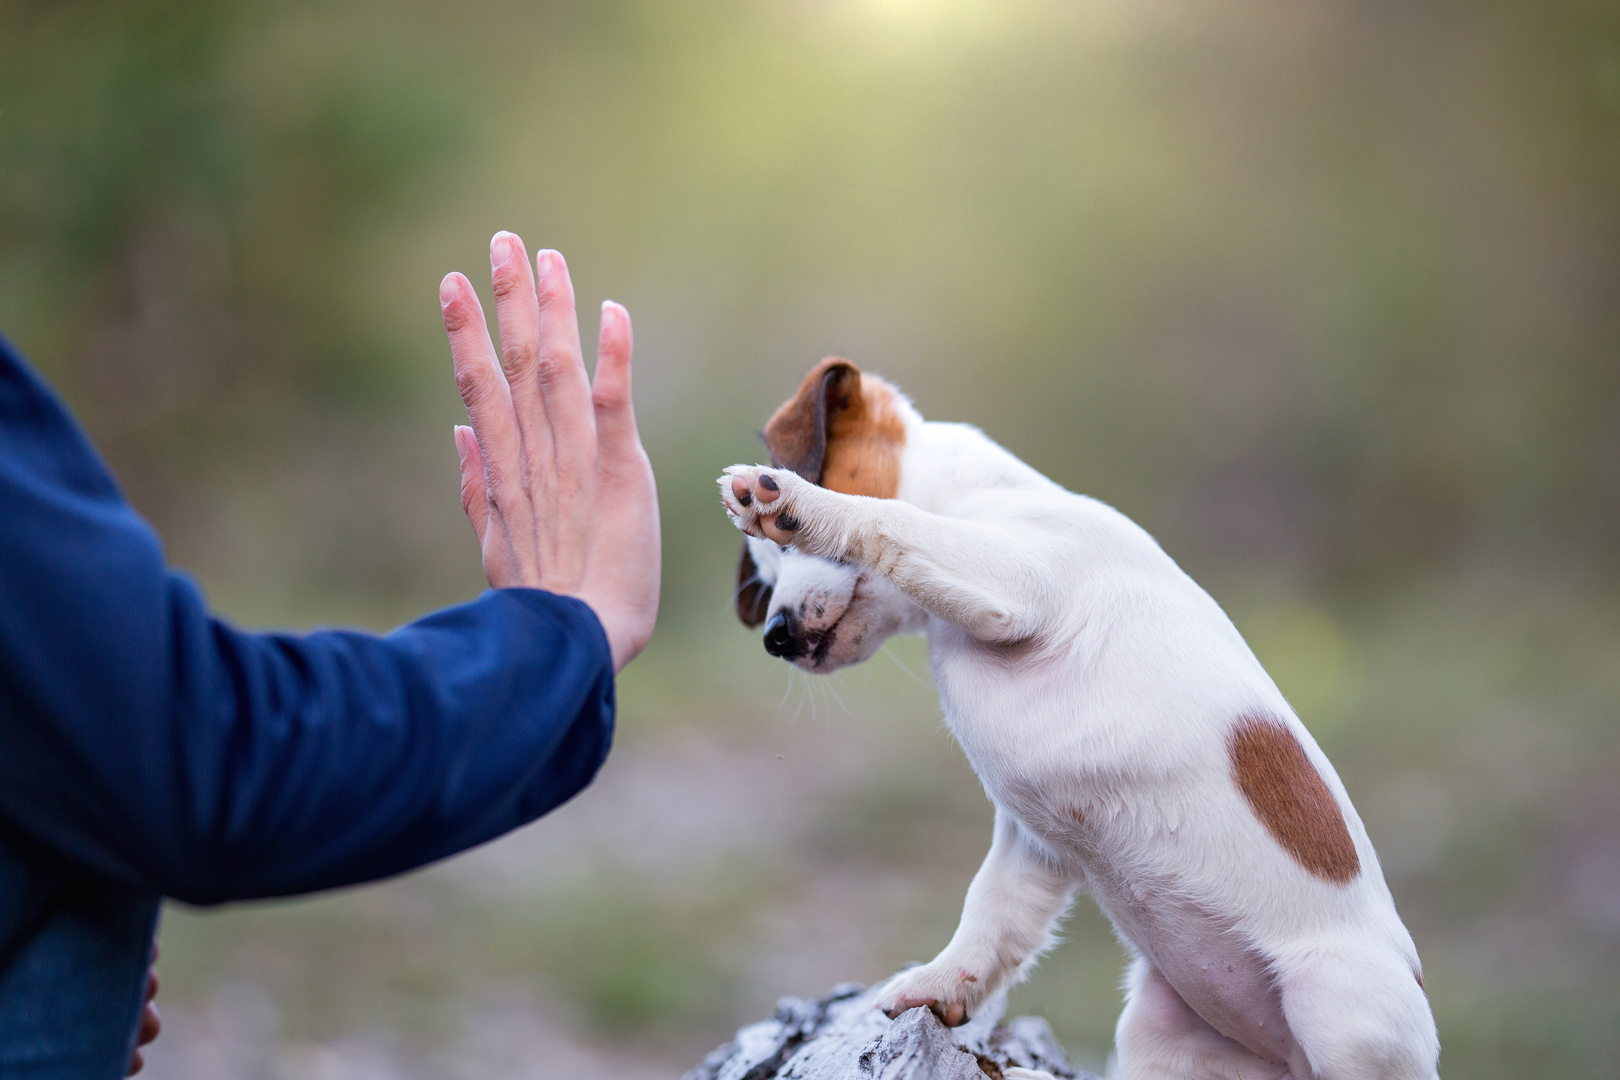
{"x": 1087, "y": 777}
{"x": 1010, "y": 714}
{"x": 1022, "y": 713}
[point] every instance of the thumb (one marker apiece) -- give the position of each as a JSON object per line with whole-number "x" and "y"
{"x": 617, "y": 438}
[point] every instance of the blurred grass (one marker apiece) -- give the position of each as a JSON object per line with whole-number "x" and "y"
{"x": 1323, "y": 296}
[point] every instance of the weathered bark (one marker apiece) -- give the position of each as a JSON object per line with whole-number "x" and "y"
{"x": 843, "y": 1037}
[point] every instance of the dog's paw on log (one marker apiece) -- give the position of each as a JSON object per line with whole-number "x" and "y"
{"x": 844, "y": 1036}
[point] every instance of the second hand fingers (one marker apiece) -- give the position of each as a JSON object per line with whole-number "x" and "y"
{"x": 474, "y": 485}
{"x": 517, "y": 315}
{"x": 485, "y": 393}
{"x": 561, "y": 369}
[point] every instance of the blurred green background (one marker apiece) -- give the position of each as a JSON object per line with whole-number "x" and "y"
{"x": 1325, "y": 295}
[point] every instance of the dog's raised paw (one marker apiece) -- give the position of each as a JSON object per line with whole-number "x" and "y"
{"x": 759, "y": 501}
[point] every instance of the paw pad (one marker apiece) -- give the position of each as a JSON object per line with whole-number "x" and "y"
{"x": 756, "y": 500}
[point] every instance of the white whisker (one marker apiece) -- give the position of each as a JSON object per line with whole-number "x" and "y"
{"x": 780, "y": 705}
{"x": 831, "y": 689}
{"x": 889, "y": 652}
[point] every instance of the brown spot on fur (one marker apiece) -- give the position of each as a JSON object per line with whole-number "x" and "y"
{"x": 1290, "y": 798}
{"x": 1419, "y": 979}
{"x": 753, "y": 595}
{"x": 842, "y": 430}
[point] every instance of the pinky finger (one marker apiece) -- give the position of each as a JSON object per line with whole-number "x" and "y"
{"x": 474, "y": 486}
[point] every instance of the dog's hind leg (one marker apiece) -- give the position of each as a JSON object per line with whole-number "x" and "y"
{"x": 1359, "y": 1014}
{"x": 1160, "y": 1037}
{"x": 1007, "y": 922}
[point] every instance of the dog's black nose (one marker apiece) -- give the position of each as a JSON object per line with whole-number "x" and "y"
{"x": 782, "y": 637}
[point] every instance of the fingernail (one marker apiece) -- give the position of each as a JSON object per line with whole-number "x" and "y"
{"x": 542, "y": 264}
{"x": 447, "y": 290}
{"x": 501, "y": 247}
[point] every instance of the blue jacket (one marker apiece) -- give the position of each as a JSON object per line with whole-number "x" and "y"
{"x": 148, "y": 749}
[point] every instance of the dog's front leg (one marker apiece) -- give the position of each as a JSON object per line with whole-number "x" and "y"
{"x": 1007, "y": 921}
{"x": 969, "y": 573}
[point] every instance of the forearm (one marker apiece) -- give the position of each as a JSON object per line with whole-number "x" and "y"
{"x": 404, "y": 749}
{"x": 255, "y": 765}
{"x": 1010, "y": 906}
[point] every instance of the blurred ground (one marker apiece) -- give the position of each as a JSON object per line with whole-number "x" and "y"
{"x": 1325, "y": 296}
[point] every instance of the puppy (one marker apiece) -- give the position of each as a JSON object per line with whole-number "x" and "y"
{"x": 1131, "y": 743}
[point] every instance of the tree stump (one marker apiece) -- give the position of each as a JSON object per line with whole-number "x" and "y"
{"x": 842, "y": 1036}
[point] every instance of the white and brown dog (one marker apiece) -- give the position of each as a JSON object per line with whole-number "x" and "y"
{"x": 1129, "y": 739}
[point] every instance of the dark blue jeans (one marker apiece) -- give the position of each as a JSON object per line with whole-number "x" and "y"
{"x": 72, "y": 972}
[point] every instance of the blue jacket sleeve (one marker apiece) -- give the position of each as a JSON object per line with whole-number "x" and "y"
{"x": 156, "y": 746}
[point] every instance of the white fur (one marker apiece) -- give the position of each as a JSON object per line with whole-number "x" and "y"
{"x": 1093, "y": 686}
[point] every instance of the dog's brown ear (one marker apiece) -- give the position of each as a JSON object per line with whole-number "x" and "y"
{"x": 753, "y": 595}
{"x": 797, "y": 435}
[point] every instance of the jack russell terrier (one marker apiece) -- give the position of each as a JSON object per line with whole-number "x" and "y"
{"x": 1129, "y": 739}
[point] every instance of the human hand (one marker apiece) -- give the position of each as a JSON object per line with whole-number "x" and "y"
{"x": 151, "y": 1022}
{"x": 553, "y": 475}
